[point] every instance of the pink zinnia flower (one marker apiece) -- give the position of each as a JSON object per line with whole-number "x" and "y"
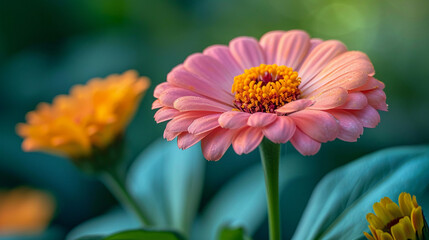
{"x": 286, "y": 87}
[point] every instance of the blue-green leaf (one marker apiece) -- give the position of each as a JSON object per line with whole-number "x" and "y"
{"x": 167, "y": 181}
{"x": 340, "y": 202}
{"x": 114, "y": 221}
{"x": 242, "y": 202}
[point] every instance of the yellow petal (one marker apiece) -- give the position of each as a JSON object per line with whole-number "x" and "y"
{"x": 373, "y": 231}
{"x": 379, "y": 233}
{"x": 417, "y": 220}
{"x": 403, "y": 230}
{"x": 386, "y": 236}
{"x": 374, "y": 221}
{"x": 394, "y": 210}
{"x": 405, "y": 203}
{"x": 415, "y": 201}
{"x": 367, "y": 235}
{"x": 385, "y": 201}
{"x": 383, "y": 235}
{"x": 382, "y": 213}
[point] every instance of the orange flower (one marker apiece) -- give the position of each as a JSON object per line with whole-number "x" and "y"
{"x": 25, "y": 210}
{"x": 90, "y": 118}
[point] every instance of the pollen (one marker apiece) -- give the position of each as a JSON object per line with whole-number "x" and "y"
{"x": 265, "y": 88}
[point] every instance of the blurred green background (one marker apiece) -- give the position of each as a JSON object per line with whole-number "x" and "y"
{"x": 46, "y": 46}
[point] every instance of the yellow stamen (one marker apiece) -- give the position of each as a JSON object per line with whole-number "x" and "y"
{"x": 265, "y": 88}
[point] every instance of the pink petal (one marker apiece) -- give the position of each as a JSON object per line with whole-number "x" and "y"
{"x": 170, "y": 135}
{"x": 304, "y": 144}
{"x": 281, "y": 130}
{"x": 186, "y": 140}
{"x": 314, "y": 42}
{"x": 261, "y": 119}
{"x": 192, "y": 103}
{"x": 224, "y": 56}
{"x": 233, "y": 119}
{"x": 377, "y": 99}
{"x": 355, "y": 100}
{"x": 204, "y": 124}
{"x": 348, "y": 70}
{"x": 169, "y": 96}
{"x": 292, "y": 48}
{"x": 269, "y": 43}
{"x": 347, "y": 81}
{"x": 319, "y": 58}
{"x": 352, "y": 59}
{"x": 165, "y": 114}
{"x": 319, "y": 125}
{"x": 160, "y": 88}
{"x": 247, "y": 140}
{"x": 156, "y": 104}
{"x": 368, "y": 116}
{"x": 184, "y": 79}
{"x": 247, "y": 52}
{"x": 370, "y": 85}
{"x": 216, "y": 143}
{"x": 210, "y": 69}
{"x": 350, "y": 127}
{"x": 295, "y": 106}
{"x": 181, "y": 122}
{"x": 329, "y": 99}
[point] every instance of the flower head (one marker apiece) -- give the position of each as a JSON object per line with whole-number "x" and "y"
{"x": 24, "y": 210}
{"x": 285, "y": 87}
{"x": 90, "y": 118}
{"x": 403, "y": 222}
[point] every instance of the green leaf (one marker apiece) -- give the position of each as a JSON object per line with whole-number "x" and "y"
{"x": 340, "y": 202}
{"x": 228, "y": 233}
{"x": 91, "y": 238}
{"x": 145, "y": 235}
{"x": 242, "y": 201}
{"x": 139, "y": 234}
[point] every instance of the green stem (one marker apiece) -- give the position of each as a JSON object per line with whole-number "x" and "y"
{"x": 270, "y": 157}
{"x": 115, "y": 183}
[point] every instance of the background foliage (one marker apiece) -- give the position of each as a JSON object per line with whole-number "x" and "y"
{"x": 46, "y": 46}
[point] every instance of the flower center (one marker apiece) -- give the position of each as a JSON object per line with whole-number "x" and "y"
{"x": 265, "y": 88}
